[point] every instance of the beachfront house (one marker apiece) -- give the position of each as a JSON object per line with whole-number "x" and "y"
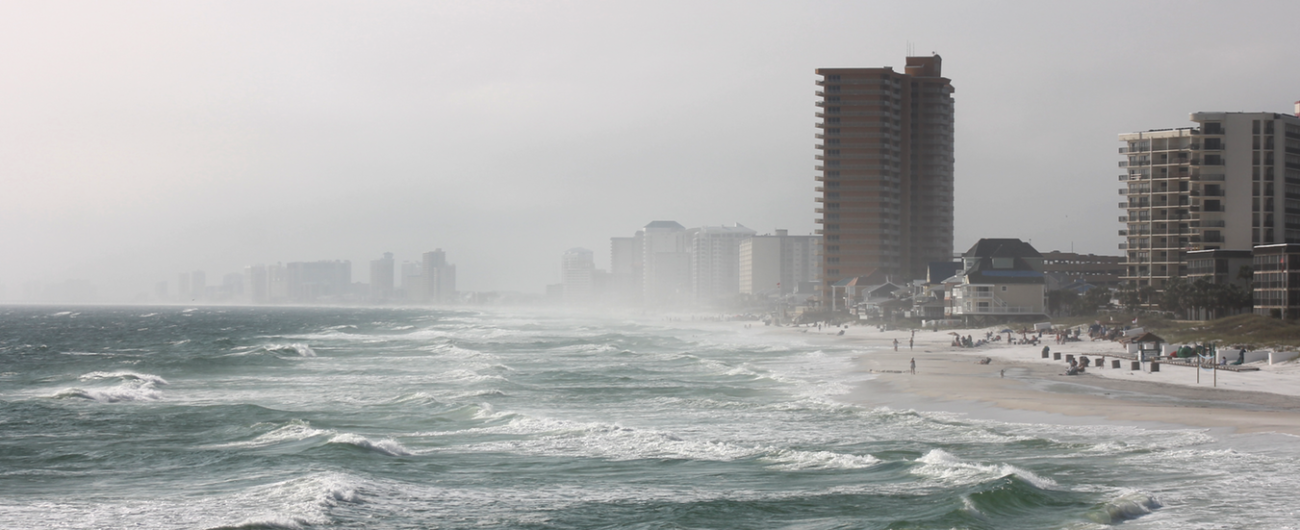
{"x": 857, "y": 292}
{"x": 928, "y": 295}
{"x": 1000, "y": 278}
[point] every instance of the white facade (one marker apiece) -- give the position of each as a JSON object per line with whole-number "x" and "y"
{"x": 760, "y": 265}
{"x": 715, "y": 262}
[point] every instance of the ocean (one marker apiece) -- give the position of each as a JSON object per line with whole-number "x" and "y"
{"x": 270, "y": 417}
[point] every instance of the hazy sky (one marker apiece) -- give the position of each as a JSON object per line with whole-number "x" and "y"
{"x": 138, "y": 140}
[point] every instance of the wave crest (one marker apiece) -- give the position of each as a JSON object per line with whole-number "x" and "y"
{"x": 388, "y": 446}
{"x": 125, "y": 376}
{"x": 944, "y": 466}
{"x": 1130, "y": 505}
{"x": 295, "y": 348}
{"x": 792, "y": 460}
{"x": 132, "y": 386}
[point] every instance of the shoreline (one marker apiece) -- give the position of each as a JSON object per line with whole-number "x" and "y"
{"x": 950, "y": 379}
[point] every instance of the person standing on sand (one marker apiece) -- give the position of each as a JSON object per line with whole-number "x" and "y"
{"x": 914, "y": 366}
{"x": 910, "y": 342}
{"x": 895, "y": 344}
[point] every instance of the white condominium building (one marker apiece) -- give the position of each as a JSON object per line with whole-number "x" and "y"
{"x": 1230, "y": 182}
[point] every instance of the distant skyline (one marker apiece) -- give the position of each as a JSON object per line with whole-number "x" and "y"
{"x": 142, "y": 139}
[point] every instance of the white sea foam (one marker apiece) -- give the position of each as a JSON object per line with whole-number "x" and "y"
{"x": 292, "y": 504}
{"x": 791, "y": 460}
{"x": 417, "y": 398}
{"x": 300, "y": 349}
{"x": 452, "y": 351}
{"x": 491, "y": 392}
{"x": 461, "y": 375}
{"x": 968, "y": 506}
{"x": 388, "y": 446}
{"x": 291, "y": 432}
{"x": 126, "y": 376}
{"x": 117, "y": 394}
{"x": 943, "y": 466}
{"x": 132, "y": 386}
{"x": 551, "y": 437}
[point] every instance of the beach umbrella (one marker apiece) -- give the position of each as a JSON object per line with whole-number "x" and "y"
{"x": 1008, "y": 330}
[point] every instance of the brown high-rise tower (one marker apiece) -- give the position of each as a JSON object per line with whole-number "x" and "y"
{"x": 886, "y": 145}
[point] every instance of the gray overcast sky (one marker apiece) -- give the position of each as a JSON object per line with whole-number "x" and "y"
{"x": 138, "y": 140}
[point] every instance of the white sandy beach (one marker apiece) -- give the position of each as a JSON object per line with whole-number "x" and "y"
{"x": 1019, "y": 379}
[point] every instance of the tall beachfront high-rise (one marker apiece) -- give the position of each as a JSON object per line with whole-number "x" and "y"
{"x": 886, "y": 182}
{"x": 1231, "y": 182}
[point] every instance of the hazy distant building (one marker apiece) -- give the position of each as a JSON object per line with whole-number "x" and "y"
{"x": 437, "y": 278}
{"x": 715, "y": 262}
{"x": 886, "y": 164}
{"x": 183, "y": 291}
{"x": 665, "y": 265}
{"x": 255, "y": 284}
{"x": 1230, "y": 182}
{"x": 577, "y": 275}
{"x": 381, "y": 278}
{"x": 777, "y": 264}
{"x": 625, "y": 267}
{"x": 318, "y": 281}
{"x": 231, "y": 288}
{"x": 198, "y": 285}
{"x": 277, "y": 283}
{"x": 412, "y": 281}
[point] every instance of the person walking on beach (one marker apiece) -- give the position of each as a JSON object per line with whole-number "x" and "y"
{"x": 895, "y": 344}
{"x": 910, "y": 342}
{"x": 914, "y": 366}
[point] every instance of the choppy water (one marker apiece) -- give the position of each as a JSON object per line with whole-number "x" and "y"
{"x": 173, "y": 417}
